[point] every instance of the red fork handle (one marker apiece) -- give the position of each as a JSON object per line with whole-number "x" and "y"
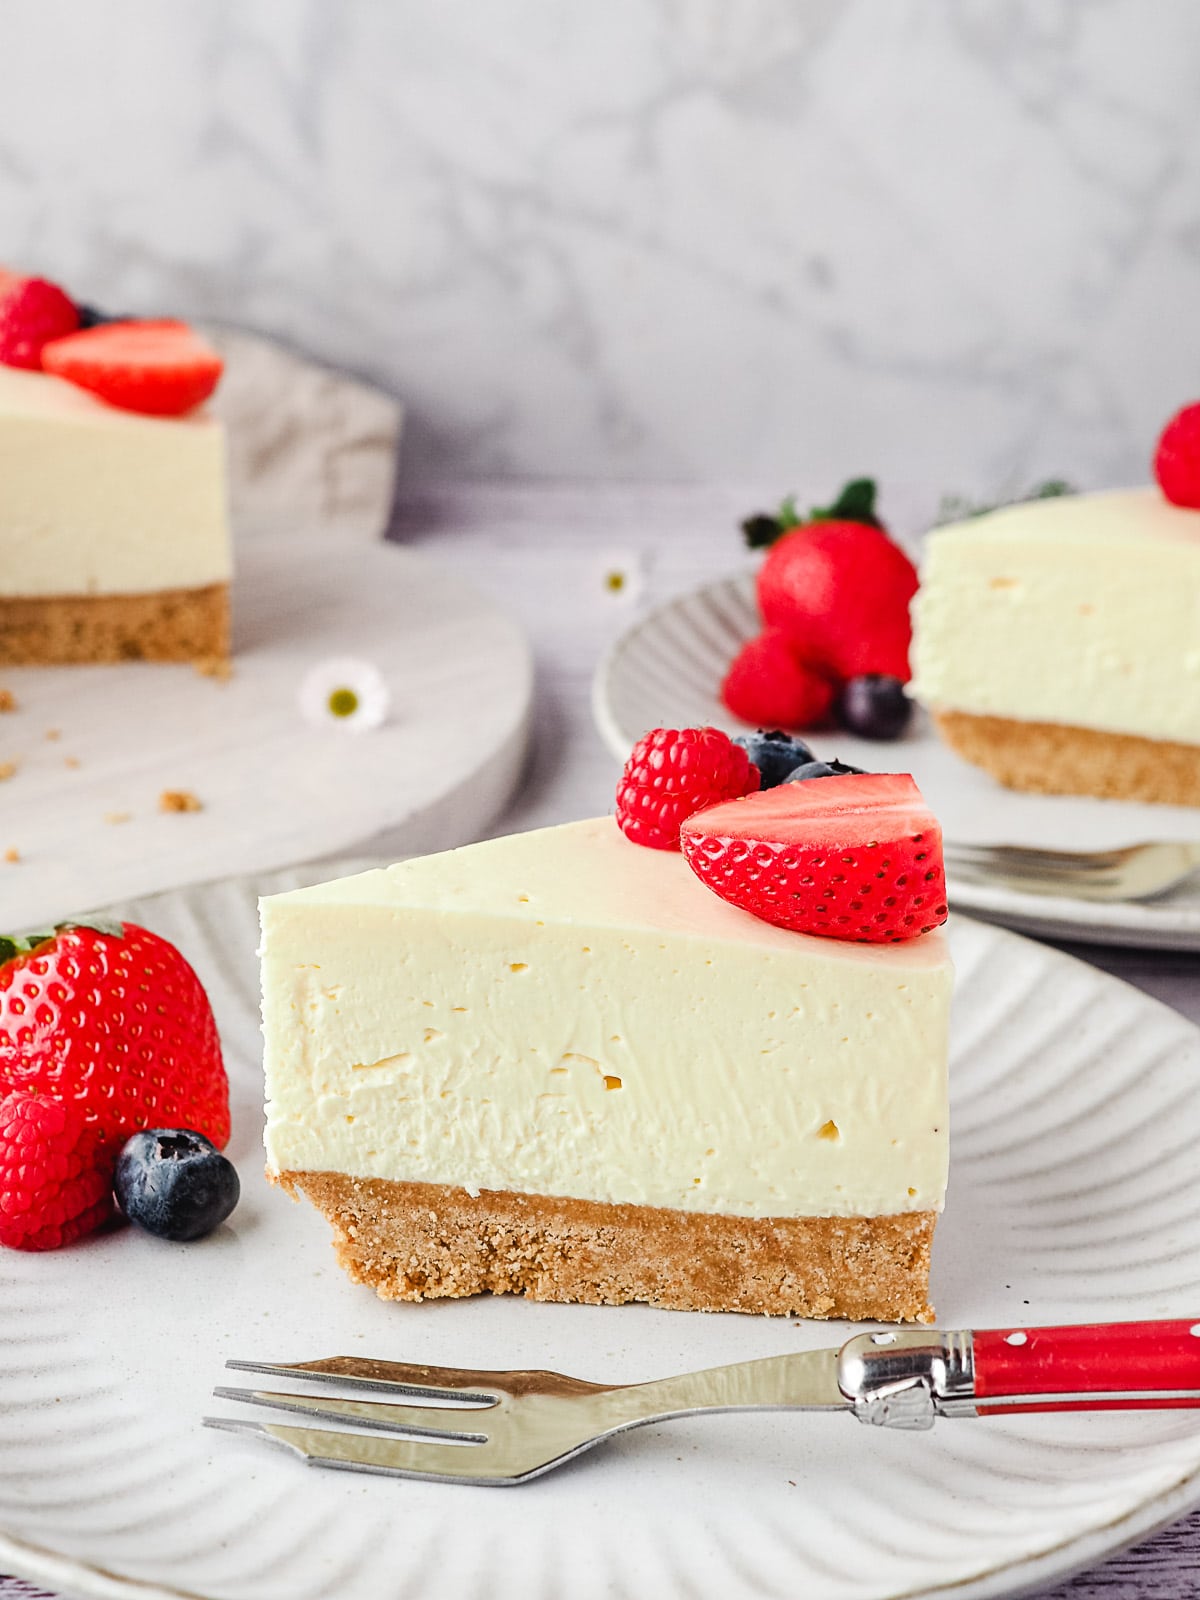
{"x": 1118, "y": 1366}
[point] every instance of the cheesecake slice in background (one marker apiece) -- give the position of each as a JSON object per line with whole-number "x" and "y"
{"x": 1057, "y": 645}
{"x": 557, "y": 1064}
{"x": 114, "y": 534}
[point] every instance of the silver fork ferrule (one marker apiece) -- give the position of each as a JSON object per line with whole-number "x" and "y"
{"x": 904, "y": 1378}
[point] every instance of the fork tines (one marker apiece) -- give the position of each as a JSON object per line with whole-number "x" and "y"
{"x": 404, "y": 1439}
{"x": 1030, "y": 859}
{"x": 489, "y": 1428}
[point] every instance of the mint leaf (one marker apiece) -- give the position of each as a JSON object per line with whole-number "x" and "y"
{"x": 957, "y": 508}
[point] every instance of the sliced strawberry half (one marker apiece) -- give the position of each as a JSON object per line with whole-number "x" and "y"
{"x": 855, "y": 857}
{"x": 160, "y": 368}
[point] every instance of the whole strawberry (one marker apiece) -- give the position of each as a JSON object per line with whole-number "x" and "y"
{"x": 671, "y": 774}
{"x": 112, "y": 1019}
{"x": 840, "y": 591}
{"x": 836, "y": 585}
{"x": 32, "y": 312}
{"x": 1177, "y": 458}
{"x": 769, "y": 686}
{"x": 56, "y": 1175}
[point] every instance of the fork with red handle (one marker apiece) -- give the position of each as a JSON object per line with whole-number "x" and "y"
{"x": 508, "y": 1427}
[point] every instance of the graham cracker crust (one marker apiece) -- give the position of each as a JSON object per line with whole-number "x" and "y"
{"x": 1053, "y": 758}
{"x": 427, "y": 1241}
{"x": 168, "y": 625}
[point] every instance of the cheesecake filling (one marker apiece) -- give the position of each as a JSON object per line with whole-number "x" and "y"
{"x": 96, "y": 501}
{"x": 1082, "y": 611}
{"x": 564, "y": 1014}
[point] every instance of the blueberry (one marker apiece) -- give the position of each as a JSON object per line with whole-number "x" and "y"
{"x": 775, "y": 754}
{"x": 821, "y": 769}
{"x": 92, "y": 316}
{"x": 175, "y": 1183}
{"x": 874, "y": 707}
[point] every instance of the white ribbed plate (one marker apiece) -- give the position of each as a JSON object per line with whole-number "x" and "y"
{"x": 666, "y": 671}
{"x": 1075, "y": 1196}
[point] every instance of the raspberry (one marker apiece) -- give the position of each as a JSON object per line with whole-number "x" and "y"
{"x": 55, "y": 1173}
{"x": 1177, "y": 459}
{"x": 854, "y": 856}
{"x": 32, "y": 312}
{"x": 768, "y": 685}
{"x": 674, "y": 773}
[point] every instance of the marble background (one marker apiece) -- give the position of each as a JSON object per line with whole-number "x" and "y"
{"x": 952, "y": 242}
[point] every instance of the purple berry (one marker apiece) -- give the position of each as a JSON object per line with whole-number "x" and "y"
{"x": 175, "y": 1183}
{"x": 822, "y": 769}
{"x": 874, "y": 707}
{"x": 775, "y": 754}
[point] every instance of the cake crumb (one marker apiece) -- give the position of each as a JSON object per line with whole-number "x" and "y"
{"x": 219, "y": 667}
{"x": 8, "y": 769}
{"x": 70, "y": 761}
{"x": 8, "y": 700}
{"x": 53, "y": 733}
{"x": 12, "y": 856}
{"x": 118, "y": 816}
{"x": 179, "y": 800}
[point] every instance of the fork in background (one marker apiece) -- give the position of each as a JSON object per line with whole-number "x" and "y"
{"x": 1136, "y": 872}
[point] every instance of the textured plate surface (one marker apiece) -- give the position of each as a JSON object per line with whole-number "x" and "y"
{"x": 1075, "y": 1196}
{"x": 275, "y": 790}
{"x": 666, "y": 671}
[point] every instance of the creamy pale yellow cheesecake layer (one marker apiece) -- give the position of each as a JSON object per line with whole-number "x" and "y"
{"x": 96, "y": 501}
{"x": 1082, "y": 611}
{"x": 565, "y": 1014}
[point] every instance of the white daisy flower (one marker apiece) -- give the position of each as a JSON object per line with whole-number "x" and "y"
{"x": 620, "y": 578}
{"x": 345, "y": 693}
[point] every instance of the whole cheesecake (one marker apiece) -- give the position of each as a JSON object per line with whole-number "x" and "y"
{"x": 557, "y": 1064}
{"x": 1057, "y": 644}
{"x": 114, "y": 537}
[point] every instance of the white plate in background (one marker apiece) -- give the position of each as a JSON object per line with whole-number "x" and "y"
{"x": 1074, "y": 1195}
{"x": 666, "y": 671}
{"x": 274, "y": 789}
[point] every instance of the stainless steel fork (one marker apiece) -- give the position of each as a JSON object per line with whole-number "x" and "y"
{"x": 1135, "y": 873}
{"x": 508, "y": 1427}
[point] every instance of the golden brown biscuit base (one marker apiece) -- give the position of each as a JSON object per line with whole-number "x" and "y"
{"x": 1051, "y": 758}
{"x": 426, "y": 1241}
{"x": 168, "y": 625}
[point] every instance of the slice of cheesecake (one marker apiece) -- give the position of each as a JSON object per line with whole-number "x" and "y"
{"x": 557, "y": 1064}
{"x": 114, "y": 537}
{"x": 1057, "y": 644}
